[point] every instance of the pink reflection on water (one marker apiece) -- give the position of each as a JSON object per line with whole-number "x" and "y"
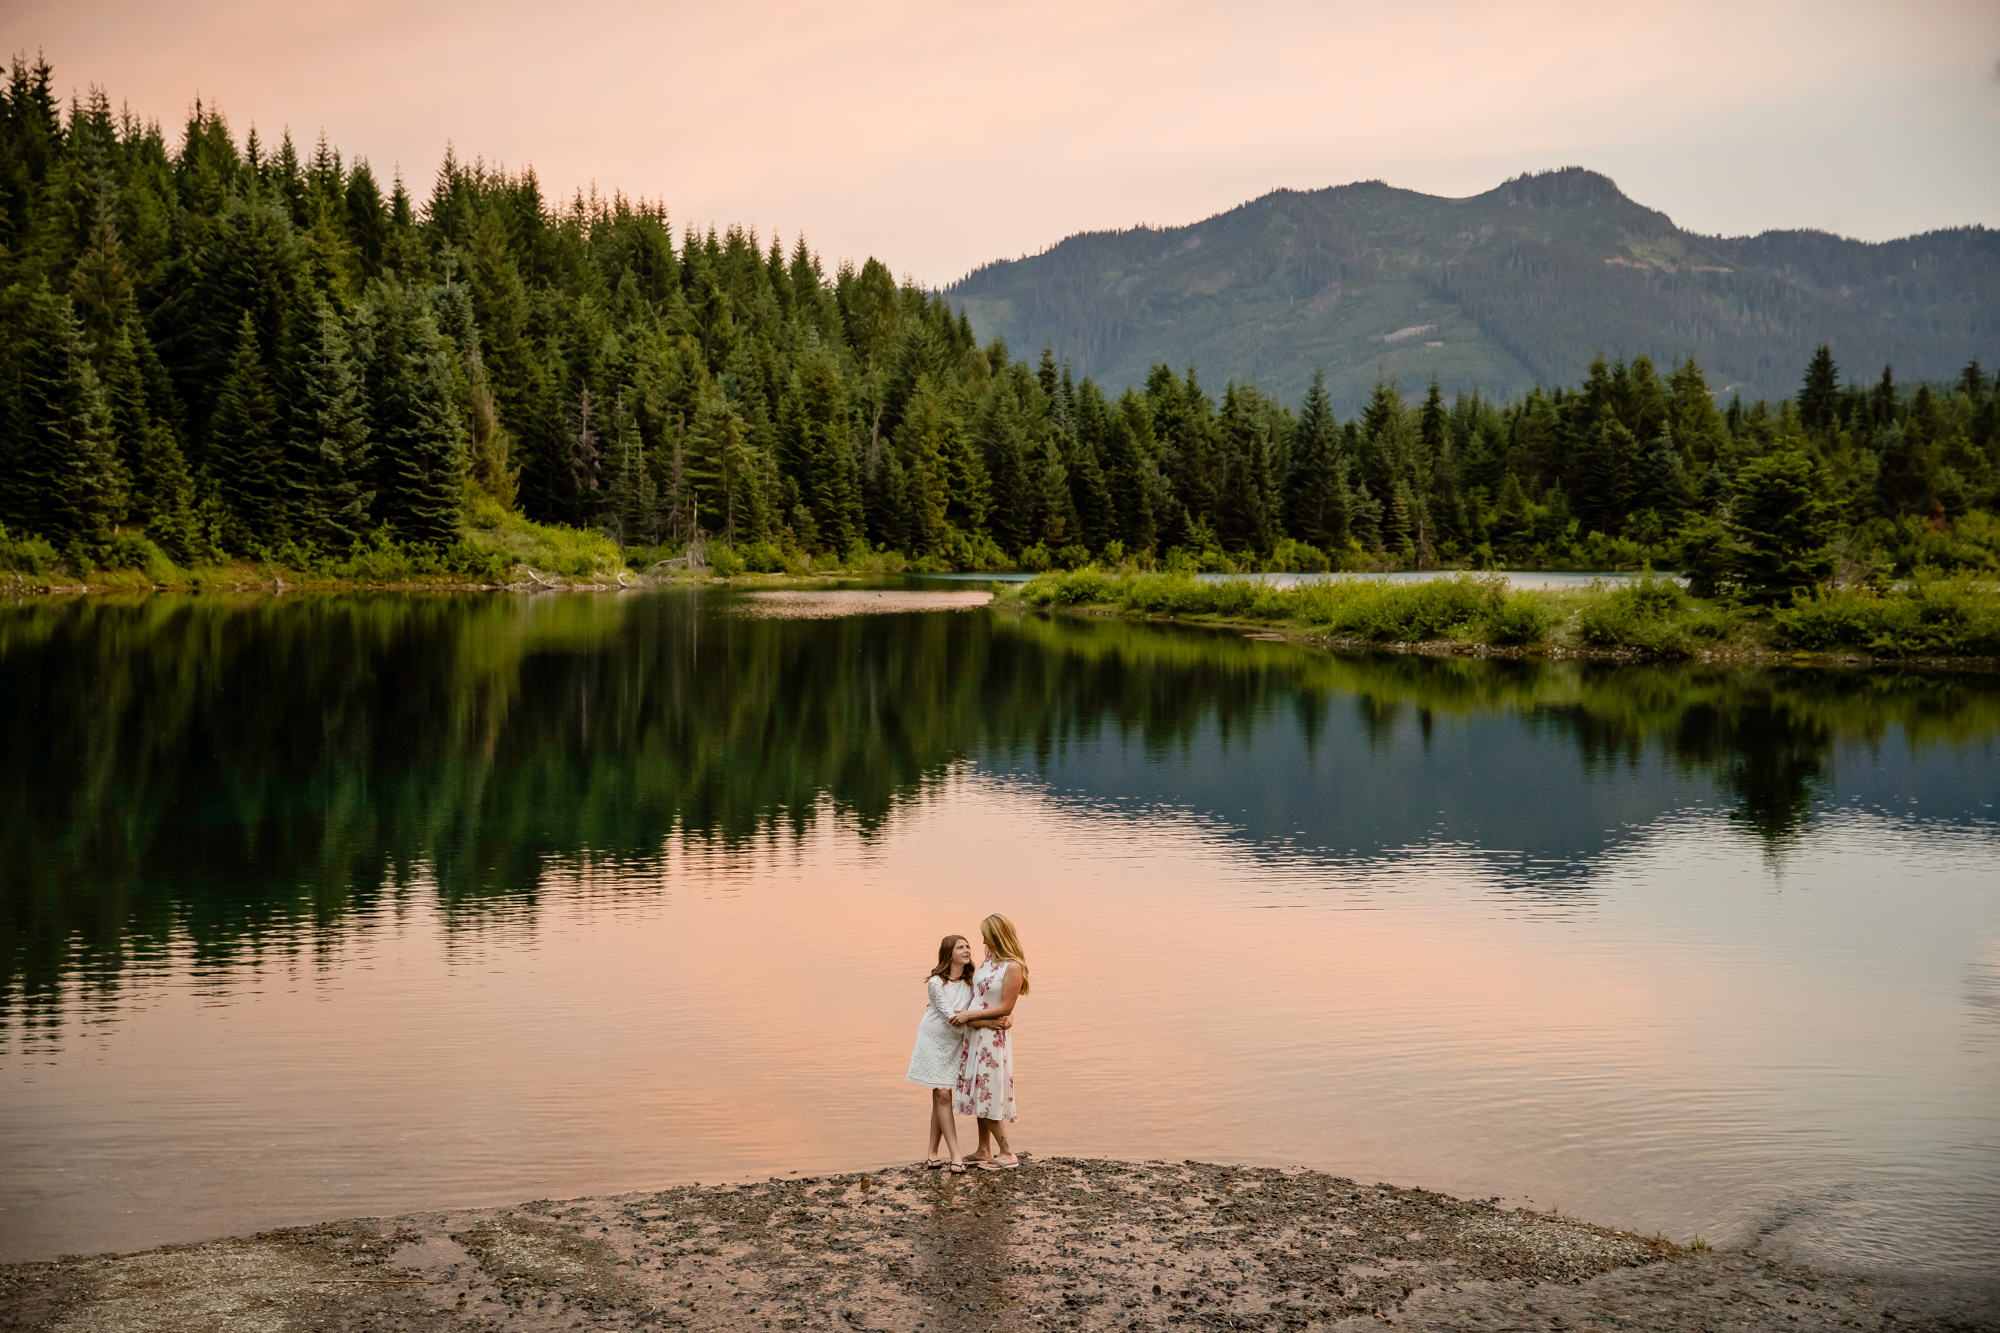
{"x": 1689, "y": 1043}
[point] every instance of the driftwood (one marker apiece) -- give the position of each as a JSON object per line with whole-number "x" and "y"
{"x": 695, "y": 557}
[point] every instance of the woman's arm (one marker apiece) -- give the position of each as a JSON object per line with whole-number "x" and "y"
{"x": 1003, "y": 1023}
{"x": 1010, "y": 991}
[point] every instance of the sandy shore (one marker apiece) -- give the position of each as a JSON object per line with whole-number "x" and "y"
{"x": 1060, "y": 1244}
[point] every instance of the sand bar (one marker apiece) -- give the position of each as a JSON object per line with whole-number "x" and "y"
{"x": 1062, "y": 1243}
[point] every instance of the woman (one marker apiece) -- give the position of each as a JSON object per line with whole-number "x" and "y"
{"x": 986, "y": 1065}
{"x": 935, "y": 1059}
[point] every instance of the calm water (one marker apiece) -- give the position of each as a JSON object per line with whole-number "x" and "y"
{"x": 317, "y": 908}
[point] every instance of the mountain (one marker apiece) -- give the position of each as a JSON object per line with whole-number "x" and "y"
{"x": 1520, "y": 285}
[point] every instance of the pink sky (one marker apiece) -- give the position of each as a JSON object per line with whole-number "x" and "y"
{"x": 942, "y": 136}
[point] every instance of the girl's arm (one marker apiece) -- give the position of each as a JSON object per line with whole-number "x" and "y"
{"x": 1010, "y": 991}
{"x": 935, "y": 988}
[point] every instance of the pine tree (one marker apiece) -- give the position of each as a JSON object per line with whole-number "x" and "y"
{"x": 1131, "y": 477}
{"x": 1386, "y": 440}
{"x": 634, "y": 499}
{"x": 101, "y": 284}
{"x": 814, "y": 434}
{"x": 1882, "y": 403}
{"x": 1785, "y": 525}
{"x": 1664, "y": 487}
{"x": 1316, "y": 496}
{"x": 1607, "y": 477}
{"x": 161, "y": 493}
{"x": 420, "y": 453}
{"x": 921, "y": 447}
{"x": 964, "y": 472}
{"x": 1513, "y": 530}
{"x": 586, "y": 455}
{"x": 1244, "y": 514}
{"x": 245, "y": 449}
{"x": 1003, "y": 446}
{"x": 1054, "y": 517}
{"x": 330, "y": 454}
{"x": 58, "y": 472}
{"x": 1819, "y": 400}
{"x": 1696, "y": 427}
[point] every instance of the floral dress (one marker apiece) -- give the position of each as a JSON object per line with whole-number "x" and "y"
{"x": 934, "y": 1061}
{"x": 986, "y": 1066}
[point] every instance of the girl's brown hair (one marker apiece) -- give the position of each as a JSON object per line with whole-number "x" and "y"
{"x": 943, "y": 969}
{"x": 1002, "y": 942}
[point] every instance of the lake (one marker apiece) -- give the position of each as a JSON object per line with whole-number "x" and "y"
{"x": 317, "y": 907}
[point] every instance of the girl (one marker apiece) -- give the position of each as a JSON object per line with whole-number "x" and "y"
{"x": 986, "y": 1064}
{"x": 935, "y": 1061}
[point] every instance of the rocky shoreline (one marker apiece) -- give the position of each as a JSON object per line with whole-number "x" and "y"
{"x": 1062, "y": 1243}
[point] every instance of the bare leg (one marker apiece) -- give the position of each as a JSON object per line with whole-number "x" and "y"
{"x": 944, "y": 1125}
{"x": 998, "y": 1131}
{"x": 984, "y": 1152}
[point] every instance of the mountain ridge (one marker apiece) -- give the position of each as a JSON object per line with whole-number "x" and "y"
{"x": 1518, "y": 285}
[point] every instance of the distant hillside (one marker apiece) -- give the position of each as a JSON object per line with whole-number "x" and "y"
{"x": 1522, "y": 284}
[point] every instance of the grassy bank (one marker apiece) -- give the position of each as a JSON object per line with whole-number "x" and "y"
{"x": 494, "y": 547}
{"x": 1651, "y": 615}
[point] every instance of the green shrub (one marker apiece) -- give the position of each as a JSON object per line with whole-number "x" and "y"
{"x": 1084, "y": 587}
{"x": 1650, "y": 612}
{"x": 1931, "y": 615}
{"x": 1523, "y": 618}
{"x": 761, "y": 557}
{"x": 1292, "y": 556}
{"x": 976, "y": 552}
{"x": 486, "y": 514}
{"x": 129, "y": 550}
{"x": 1366, "y": 608}
{"x": 484, "y": 562}
{"x": 726, "y": 561}
{"x": 1388, "y": 612}
{"x": 26, "y": 555}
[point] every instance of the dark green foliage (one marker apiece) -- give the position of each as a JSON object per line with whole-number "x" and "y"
{"x": 329, "y": 450}
{"x": 1784, "y": 524}
{"x": 1819, "y": 400}
{"x": 1932, "y": 616}
{"x": 161, "y": 493}
{"x": 59, "y": 477}
{"x": 246, "y": 453}
{"x": 420, "y": 467}
{"x": 236, "y": 348}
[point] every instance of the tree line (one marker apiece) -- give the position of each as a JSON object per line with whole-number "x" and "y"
{"x": 219, "y": 348}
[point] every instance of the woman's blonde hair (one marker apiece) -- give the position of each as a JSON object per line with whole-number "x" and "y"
{"x": 1002, "y": 942}
{"x": 943, "y": 969}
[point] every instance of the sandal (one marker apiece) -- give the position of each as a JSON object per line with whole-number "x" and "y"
{"x": 957, "y": 1168}
{"x": 934, "y": 1163}
{"x": 991, "y": 1165}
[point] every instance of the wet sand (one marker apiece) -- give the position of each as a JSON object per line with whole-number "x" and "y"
{"x": 1062, "y": 1243}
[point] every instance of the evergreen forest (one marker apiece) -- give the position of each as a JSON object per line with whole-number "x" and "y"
{"x": 216, "y": 348}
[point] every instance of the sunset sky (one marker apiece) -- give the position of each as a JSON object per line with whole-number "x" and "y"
{"x": 941, "y": 136}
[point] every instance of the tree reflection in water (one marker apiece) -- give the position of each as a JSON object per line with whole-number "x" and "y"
{"x": 232, "y": 770}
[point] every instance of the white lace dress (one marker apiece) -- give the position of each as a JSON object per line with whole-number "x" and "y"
{"x": 934, "y": 1062}
{"x": 986, "y": 1068}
